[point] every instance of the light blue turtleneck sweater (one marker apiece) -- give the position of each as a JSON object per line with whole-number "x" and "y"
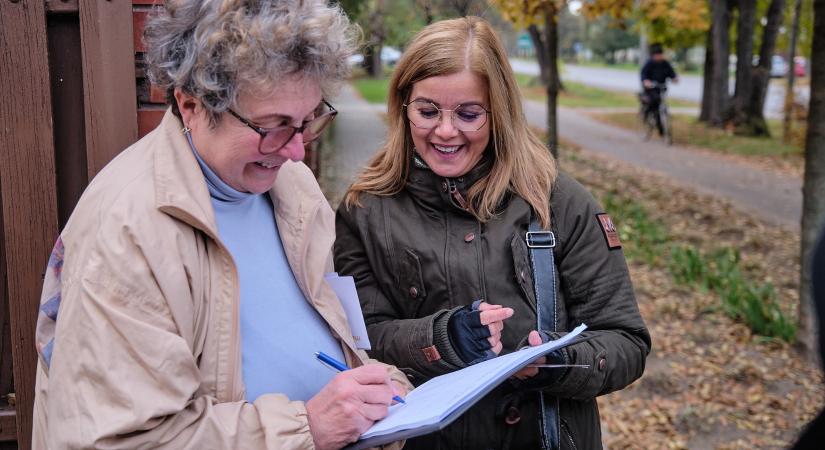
{"x": 280, "y": 330}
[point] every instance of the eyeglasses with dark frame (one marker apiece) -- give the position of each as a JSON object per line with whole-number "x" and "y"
{"x": 273, "y": 139}
{"x": 465, "y": 117}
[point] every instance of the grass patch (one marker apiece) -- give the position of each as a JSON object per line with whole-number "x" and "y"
{"x": 645, "y": 240}
{"x": 578, "y": 95}
{"x": 689, "y": 131}
{"x": 751, "y": 303}
{"x": 373, "y": 90}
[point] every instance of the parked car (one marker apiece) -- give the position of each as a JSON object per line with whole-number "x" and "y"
{"x": 389, "y": 55}
{"x": 800, "y": 66}
{"x": 779, "y": 68}
{"x": 356, "y": 60}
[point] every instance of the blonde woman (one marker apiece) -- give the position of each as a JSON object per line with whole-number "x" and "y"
{"x": 185, "y": 299}
{"x": 434, "y": 232}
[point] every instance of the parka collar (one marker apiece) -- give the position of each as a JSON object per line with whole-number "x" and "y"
{"x": 437, "y": 191}
{"x": 180, "y": 188}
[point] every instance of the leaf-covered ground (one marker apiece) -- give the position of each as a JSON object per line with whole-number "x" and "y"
{"x": 709, "y": 382}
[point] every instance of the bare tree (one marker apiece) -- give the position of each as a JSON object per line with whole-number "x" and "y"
{"x": 745, "y": 26}
{"x": 537, "y": 38}
{"x": 377, "y": 33}
{"x": 789, "y": 94}
{"x": 813, "y": 208}
{"x": 428, "y": 8}
{"x": 719, "y": 95}
{"x": 546, "y": 42}
{"x": 761, "y": 73}
{"x": 707, "y": 79}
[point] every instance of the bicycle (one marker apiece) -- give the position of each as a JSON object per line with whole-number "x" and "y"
{"x": 657, "y": 119}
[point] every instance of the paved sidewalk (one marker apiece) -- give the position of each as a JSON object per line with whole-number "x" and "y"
{"x": 773, "y": 197}
{"x": 358, "y": 131}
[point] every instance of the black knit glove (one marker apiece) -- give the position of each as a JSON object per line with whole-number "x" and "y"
{"x": 468, "y": 336}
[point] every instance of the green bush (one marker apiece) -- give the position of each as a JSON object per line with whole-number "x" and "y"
{"x": 753, "y": 304}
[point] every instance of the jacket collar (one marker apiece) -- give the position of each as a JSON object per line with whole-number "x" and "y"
{"x": 180, "y": 189}
{"x": 439, "y": 192}
{"x": 303, "y": 215}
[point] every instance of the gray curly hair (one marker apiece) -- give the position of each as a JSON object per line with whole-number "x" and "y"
{"x": 212, "y": 49}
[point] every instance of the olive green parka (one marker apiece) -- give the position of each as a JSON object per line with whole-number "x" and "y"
{"x": 418, "y": 256}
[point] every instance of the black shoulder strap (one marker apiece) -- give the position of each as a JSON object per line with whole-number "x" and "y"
{"x": 540, "y": 244}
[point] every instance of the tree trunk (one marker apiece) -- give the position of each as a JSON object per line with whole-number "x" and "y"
{"x": 541, "y": 53}
{"x": 552, "y": 40}
{"x": 744, "y": 56}
{"x": 707, "y": 79}
{"x": 762, "y": 73}
{"x": 789, "y": 93}
{"x": 720, "y": 93}
{"x": 372, "y": 61}
{"x": 813, "y": 190}
{"x": 377, "y": 34}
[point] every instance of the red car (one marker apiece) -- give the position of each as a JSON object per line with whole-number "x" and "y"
{"x": 800, "y": 66}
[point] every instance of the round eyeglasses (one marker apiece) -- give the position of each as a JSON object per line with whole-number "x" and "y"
{"x": 466, "y": 117}
{"x": 273, "y": 139}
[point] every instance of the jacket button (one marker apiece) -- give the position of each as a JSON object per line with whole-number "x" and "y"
{"x": 602, "y": 364}
{"x": 444, "y": 186}
{"x": 513, "y": 416}
{"x": 413, "y": 291}
{"x": 469, "y": 237}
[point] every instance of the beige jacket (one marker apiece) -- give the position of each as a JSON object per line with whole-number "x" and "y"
{"x": 146, "y": 351}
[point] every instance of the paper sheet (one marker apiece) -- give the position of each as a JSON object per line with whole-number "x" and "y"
{"x": 436, "y": 399}
{"x": 344, "y": 288}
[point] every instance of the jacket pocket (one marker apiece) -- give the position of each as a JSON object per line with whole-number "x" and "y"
{"x": 412, "y": 282}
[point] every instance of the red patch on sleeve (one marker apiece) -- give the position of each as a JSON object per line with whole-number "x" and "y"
{"x": 611, "y": 234}
{"x": 431, "y": 353}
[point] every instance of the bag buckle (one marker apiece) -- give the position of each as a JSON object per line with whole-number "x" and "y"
{"x": 541, "y": 239}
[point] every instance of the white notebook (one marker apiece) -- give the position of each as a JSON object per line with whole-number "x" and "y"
{"x": 436, "y": 403}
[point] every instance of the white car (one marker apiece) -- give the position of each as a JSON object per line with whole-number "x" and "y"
{"x": 390, "y": 55}
{"x": 356, "y": 60}
{"x": 779, "y": 68}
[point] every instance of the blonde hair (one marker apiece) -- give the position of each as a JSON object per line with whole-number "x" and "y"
{"x": 521, "y": 164}
{"x": 213, "y": 49}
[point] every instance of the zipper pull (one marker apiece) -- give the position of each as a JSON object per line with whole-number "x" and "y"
{"x": 457, "y": 195}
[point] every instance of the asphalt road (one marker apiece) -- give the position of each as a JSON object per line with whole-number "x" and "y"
{"x": 773, "y": 197}
{"x": 689, "y": 87}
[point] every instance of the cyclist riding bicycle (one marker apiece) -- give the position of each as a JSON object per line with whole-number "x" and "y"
{"x": 655, "y": 73}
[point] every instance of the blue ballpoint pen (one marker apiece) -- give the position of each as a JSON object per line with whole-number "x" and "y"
{"x": 339, "y": 366}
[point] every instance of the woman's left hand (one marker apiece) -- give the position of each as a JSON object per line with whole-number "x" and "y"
{"x": 528, "y": 372}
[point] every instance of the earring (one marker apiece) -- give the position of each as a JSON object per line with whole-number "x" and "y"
{"x": 186, "y": 129}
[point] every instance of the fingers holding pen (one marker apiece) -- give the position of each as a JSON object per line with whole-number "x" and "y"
{"x": 349, "y": 404}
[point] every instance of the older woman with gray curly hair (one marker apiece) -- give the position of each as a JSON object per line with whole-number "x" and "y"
{"x": 189, "y": 280}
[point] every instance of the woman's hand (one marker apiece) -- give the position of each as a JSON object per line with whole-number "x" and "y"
{"x": 349, "y": 404}
{"x": 494, "y": 316}
{"x": 534, "y": 339}
{"x": 475, "y": 331}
